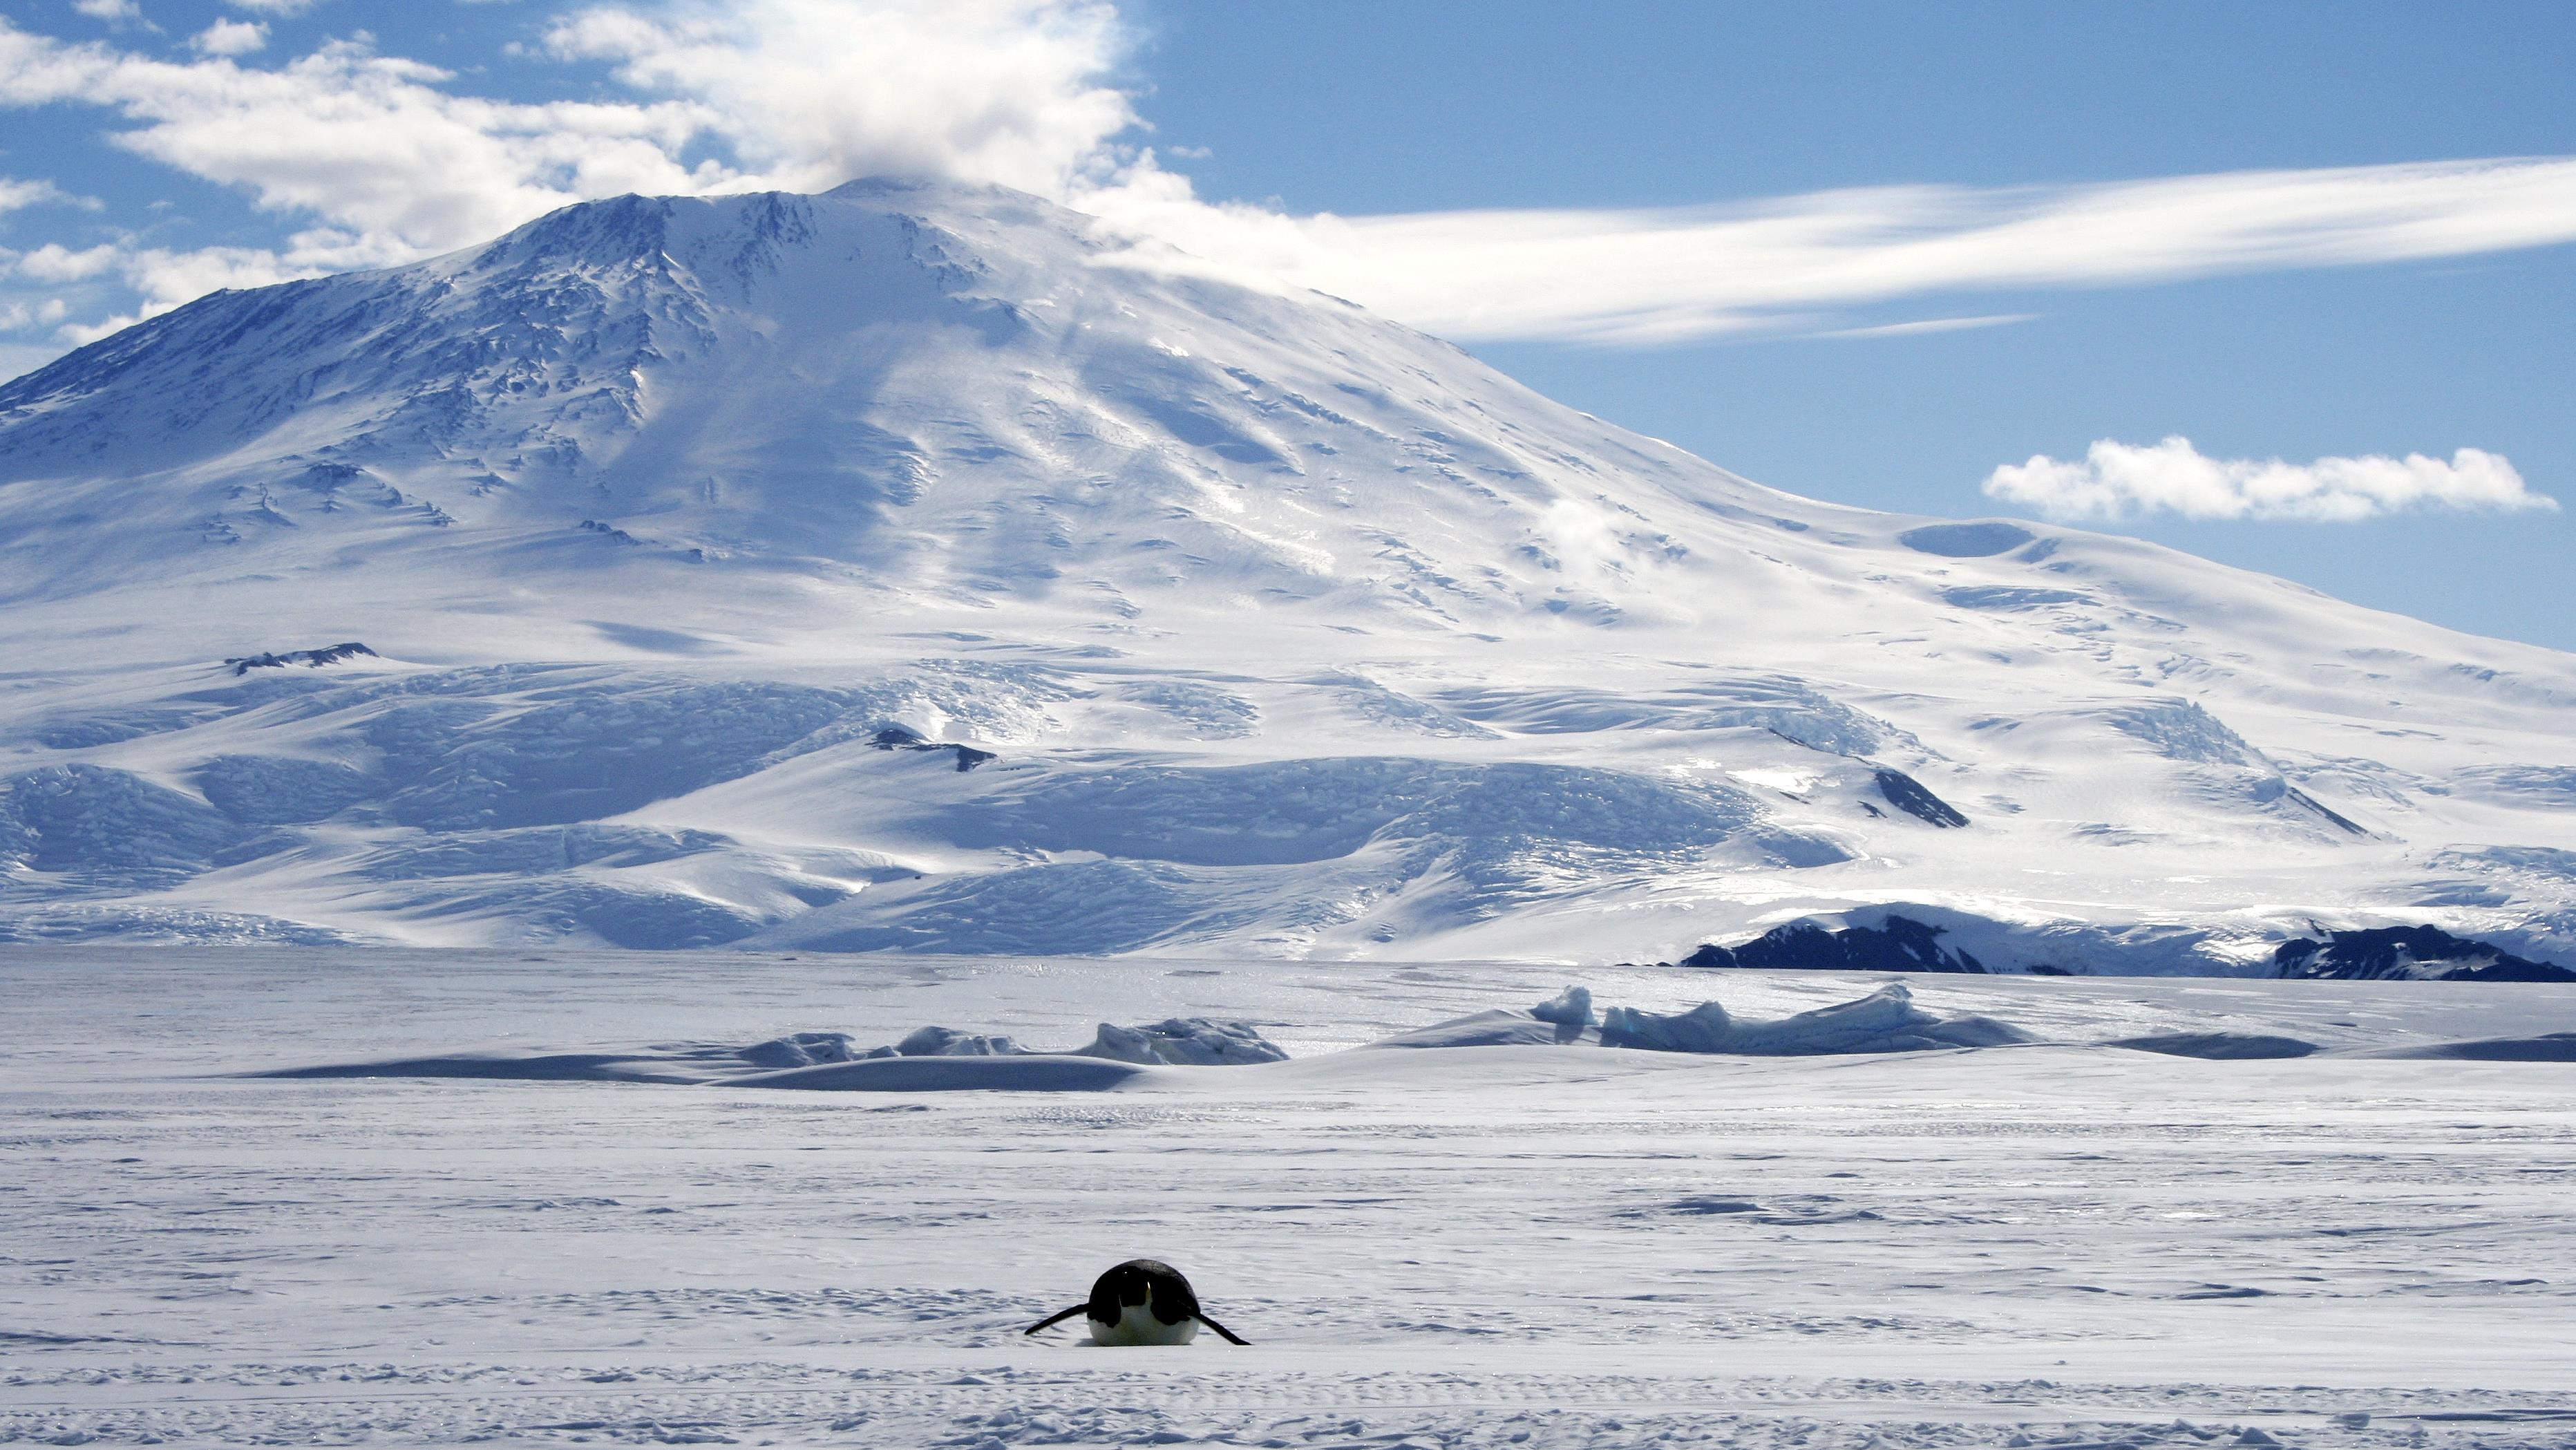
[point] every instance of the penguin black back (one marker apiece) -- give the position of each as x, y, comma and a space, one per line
1142, 1301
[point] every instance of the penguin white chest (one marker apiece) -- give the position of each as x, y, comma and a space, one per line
1137, 1325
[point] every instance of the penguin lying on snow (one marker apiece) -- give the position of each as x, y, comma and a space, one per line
1141, 1301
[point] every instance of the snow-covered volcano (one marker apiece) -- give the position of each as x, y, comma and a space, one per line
685, 537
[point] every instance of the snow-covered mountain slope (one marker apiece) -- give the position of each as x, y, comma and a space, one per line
685, 536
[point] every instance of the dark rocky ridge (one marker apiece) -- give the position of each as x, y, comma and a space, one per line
1901, 945
1908, 795
329, 654
1904, 944
899, 737
2400, 952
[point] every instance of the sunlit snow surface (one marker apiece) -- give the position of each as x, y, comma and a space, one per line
1288, 632
1540, 1245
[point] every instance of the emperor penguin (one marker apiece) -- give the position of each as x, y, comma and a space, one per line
1142, 1301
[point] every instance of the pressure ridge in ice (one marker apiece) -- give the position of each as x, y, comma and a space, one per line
938, 1059
829, 1060
895, 570
1884, 1021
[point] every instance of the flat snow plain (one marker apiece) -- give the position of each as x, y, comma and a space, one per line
2059, 1244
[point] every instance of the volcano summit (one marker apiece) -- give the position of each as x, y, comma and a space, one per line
904, 569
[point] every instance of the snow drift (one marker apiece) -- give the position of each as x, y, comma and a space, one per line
1886, 1021
928, 1059
1883, 1021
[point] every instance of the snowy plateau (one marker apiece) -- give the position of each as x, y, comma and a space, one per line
755, 789
1268, 628
277, 1196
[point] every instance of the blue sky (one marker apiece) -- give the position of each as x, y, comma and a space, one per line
1727, 226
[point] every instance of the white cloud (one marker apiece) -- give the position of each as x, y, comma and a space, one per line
22, 316
369, 143
1650, 276
114, 11
231, 37
16, 194
385, 159
395, 164
1932, 324
2120, 480
273, 7
54, 263
810, 93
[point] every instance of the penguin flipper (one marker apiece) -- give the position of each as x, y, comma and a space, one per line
1224, 1333
1062, 1315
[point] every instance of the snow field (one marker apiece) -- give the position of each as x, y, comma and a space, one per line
1477, 1246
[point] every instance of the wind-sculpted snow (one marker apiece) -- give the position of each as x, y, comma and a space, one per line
1884, 1021
2183, 730
1789, 708
536, 850
1199, 852
2009, 596
2546, 1047
2219, 1046
1224, 621
504, 774
1083, 907
1315, 810
111, 728
81, 921
640, 916
582, 756
2212, 763
2547, 784
104, 829
274, 790
931, 1059
1185, 1042
1379, 705
2544, 862
1203, 711
1966, 541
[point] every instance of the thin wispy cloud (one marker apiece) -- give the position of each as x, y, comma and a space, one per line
2121, 480
1928, 325
1674, 275
376, 159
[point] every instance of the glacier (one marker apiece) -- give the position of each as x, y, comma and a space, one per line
892, 570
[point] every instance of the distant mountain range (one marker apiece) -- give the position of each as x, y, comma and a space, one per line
893, 569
